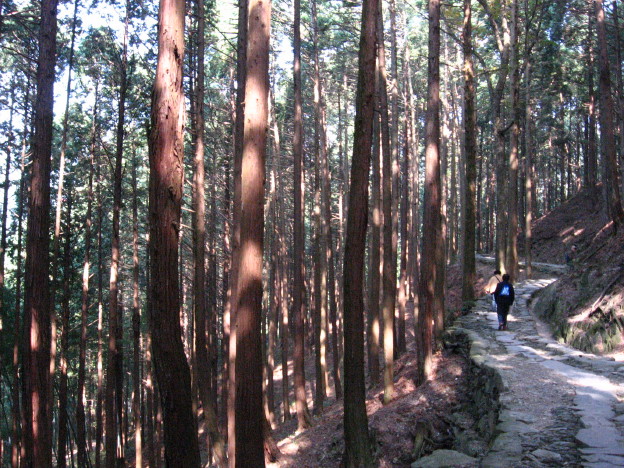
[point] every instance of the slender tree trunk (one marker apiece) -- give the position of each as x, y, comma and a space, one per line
81, 439
18, 425
114, 439
166, 174
327, 285
607, 132
5, 210
63, 432
303, 415
136, 326
512, 192
204, 371
37, 306
470, 155
528, 177
591, 170
620, 89
403, 290
374, 289
100, 300
230, 312
389, 254
249, 413
57, 225
357, 441
431, 226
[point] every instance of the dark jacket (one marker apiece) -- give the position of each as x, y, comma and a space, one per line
504, 299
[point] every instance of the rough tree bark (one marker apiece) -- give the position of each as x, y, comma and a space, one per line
357, 441
303, 415
37, 307
607, 131
249, 411
432, 201
470, 155
204, 371
166, 174
388, 299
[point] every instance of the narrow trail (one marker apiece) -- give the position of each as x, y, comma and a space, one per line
559, 406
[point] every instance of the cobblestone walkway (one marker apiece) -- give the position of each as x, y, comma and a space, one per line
560, 407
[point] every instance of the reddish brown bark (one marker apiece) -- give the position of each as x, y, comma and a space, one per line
81, 439
607, 131
470, 155
432, 201
37, 307
166, 175
303, 415
249, 411
357, 442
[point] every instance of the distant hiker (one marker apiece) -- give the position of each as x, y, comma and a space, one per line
504, 296
490, 287
570, 256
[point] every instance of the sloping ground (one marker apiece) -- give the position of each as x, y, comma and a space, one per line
586, 306
579, 221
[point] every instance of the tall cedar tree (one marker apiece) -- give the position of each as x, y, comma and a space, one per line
607, 116
470, 152
114, 440
199, 252
303, 415
389, 253
230, 312
433, 200
166, 174
81, 437
37, 307
357, 441
249, 411
512, 192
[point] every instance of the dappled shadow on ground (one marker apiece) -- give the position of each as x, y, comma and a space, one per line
393, 427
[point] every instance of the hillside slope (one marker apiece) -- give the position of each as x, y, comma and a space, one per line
586, 305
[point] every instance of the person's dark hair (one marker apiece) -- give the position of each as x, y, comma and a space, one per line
497, 272
505, 277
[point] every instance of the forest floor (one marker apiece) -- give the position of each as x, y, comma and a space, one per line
394, 426
599, 260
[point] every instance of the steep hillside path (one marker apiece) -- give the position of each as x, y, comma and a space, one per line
559, 406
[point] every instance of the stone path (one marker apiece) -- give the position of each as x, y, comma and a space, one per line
559, 406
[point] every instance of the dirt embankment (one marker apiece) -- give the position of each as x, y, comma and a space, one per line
586, 306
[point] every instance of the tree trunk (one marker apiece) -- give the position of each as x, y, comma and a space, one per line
166, 174
136, 326
591, 166
18, 425
374, 289
114, 440
529, 174
61, 454
204, 371
37, 306
607, 131
512, 192
357, 441
230, 311
327, 284
431, 225
389, 253
249, 413
81, 439
470, 155
303, 415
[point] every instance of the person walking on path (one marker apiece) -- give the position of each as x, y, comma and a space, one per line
504, 296
490, 287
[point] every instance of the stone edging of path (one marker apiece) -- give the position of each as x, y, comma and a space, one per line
585, 430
